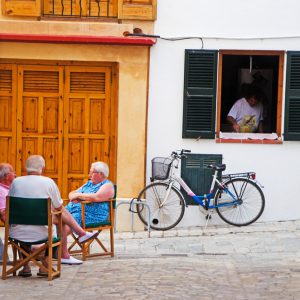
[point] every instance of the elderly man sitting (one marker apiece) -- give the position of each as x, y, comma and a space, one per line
7, 175
38, 186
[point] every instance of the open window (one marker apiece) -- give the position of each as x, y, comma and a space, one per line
239, 69
214, 80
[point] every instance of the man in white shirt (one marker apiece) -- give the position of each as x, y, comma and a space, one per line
246, 115
34, 185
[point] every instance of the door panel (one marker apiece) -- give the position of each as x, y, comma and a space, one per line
63, 113
86, 122
8, 92
40, 110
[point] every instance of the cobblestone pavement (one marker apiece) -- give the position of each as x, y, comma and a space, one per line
261, 261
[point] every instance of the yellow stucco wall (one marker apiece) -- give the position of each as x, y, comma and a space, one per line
133, 62
132, 98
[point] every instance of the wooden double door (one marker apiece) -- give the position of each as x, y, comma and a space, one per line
66, 113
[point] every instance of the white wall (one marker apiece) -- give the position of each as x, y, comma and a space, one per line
230, 24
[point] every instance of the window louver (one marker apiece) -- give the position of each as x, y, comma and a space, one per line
199, 94
294, 113
41, 81
87, 82
6, 81
292, 97
199, 111
295, 73
201, 71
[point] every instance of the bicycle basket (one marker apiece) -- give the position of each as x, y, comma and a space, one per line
161, 167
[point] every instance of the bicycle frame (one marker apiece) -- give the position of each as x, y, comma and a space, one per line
205, 199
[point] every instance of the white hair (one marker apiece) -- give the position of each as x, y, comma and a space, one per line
4, 170
101, 167
35, 163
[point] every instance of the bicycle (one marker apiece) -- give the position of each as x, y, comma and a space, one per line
238, 200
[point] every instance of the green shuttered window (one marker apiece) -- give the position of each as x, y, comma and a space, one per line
292, 98
195, 173
199, 104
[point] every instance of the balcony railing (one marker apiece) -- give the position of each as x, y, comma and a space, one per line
81, 8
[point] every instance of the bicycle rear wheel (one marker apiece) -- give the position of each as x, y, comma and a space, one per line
166, 209
251, 202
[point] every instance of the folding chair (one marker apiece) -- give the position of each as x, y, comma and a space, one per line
31, 211
85, 249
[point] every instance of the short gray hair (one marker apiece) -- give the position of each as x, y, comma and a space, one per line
101, 167
35, 163
5, 169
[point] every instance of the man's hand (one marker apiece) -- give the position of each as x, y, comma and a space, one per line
236, 127
234, 124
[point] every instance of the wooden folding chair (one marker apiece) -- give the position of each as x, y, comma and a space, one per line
85, 249
31, 211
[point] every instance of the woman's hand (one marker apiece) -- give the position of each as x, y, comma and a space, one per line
75, 198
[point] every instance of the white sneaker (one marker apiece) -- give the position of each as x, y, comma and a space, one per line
71, 261
87, 237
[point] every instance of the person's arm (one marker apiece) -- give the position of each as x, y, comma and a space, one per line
105, 192
73, 196
234, 124
2, 204
2, 215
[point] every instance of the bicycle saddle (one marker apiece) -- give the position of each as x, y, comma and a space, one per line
219, 167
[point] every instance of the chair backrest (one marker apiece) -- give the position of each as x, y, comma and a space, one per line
115, 196
28, 211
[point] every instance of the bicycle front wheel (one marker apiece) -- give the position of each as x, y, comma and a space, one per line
166, 206
250, 206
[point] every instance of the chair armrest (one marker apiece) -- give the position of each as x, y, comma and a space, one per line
111, 201
56, 212
85, 202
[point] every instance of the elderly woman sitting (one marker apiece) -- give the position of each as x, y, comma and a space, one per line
98, 189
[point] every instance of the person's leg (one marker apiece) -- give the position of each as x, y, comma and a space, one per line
68, 219
26, 270
70, 224
66, 230
73, 223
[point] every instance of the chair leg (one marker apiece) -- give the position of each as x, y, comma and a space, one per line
112, 243
5, 257
15, 257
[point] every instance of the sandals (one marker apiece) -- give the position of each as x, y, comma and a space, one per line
42, 273
25, 273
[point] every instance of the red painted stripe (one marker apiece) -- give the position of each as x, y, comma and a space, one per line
77, 39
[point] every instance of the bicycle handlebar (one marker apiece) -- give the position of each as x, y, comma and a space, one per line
180, 153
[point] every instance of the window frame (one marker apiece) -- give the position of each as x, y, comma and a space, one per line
280, 55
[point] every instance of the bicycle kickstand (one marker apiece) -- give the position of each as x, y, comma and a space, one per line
208, 217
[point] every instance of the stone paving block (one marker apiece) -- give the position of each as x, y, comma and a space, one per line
235, 264
169, 233
156, 234
124, 235
195, 231
141, 234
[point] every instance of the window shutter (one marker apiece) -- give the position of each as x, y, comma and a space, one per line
195, 173
137, 9
28, 8
199, 100
292, 98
